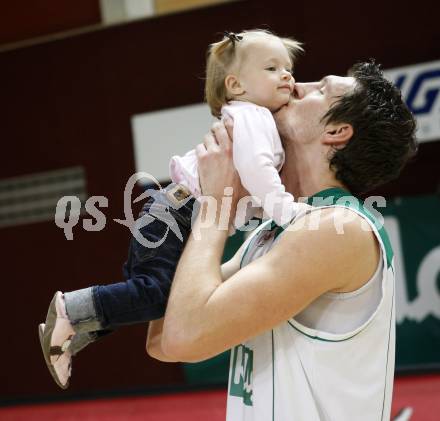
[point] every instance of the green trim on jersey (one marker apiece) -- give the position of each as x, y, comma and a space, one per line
388, 353
319, 338
336, 196
331, 197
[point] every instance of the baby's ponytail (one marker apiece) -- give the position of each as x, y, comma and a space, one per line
220, 57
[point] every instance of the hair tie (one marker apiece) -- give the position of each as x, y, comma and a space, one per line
233, 37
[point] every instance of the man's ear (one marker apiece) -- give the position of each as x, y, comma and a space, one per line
337, 134
233, 85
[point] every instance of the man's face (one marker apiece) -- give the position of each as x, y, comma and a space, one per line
300, 120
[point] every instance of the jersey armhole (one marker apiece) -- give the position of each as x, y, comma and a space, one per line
333, 337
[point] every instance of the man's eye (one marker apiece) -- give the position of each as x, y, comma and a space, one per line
271, 69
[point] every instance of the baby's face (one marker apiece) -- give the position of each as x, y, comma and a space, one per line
265, 74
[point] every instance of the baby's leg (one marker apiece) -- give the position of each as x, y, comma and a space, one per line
153, 257
81, 340
59, 358
85, 314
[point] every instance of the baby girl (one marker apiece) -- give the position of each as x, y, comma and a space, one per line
249, 76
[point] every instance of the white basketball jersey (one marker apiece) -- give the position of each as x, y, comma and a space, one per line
294, 373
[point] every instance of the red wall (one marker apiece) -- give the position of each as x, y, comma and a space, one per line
20, 21
69, 102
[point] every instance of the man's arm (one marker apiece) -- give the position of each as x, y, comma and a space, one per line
205, 317
154, 337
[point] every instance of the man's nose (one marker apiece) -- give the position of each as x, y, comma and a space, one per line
300, 90
303, 89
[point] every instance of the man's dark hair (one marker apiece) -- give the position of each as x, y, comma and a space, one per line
384, 131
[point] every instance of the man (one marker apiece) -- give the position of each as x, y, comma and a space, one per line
308, 313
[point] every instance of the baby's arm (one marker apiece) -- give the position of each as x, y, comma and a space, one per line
254, 140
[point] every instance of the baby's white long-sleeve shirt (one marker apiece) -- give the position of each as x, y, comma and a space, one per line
258, 156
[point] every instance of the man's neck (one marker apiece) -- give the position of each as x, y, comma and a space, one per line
305, 174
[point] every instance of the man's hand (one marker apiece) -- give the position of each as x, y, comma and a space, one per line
216, 167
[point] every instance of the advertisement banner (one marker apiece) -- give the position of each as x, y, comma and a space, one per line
413, 224
420, 86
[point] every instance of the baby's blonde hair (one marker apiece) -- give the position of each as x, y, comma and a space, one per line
222, 55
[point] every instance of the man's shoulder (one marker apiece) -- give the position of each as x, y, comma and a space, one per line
330, 221
336, 242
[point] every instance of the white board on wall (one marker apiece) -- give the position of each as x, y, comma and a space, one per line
159, 135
